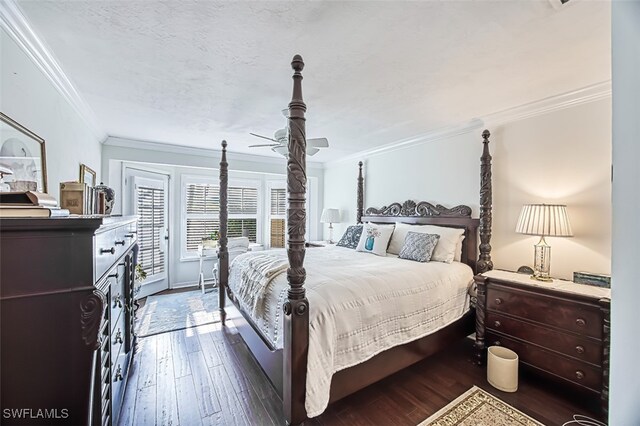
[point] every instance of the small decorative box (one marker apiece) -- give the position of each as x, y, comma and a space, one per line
590, 278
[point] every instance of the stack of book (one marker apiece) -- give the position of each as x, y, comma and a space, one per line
29, 204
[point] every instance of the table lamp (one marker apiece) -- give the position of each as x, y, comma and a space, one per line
544, 220
330, 216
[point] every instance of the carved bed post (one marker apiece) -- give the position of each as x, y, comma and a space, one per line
360, 209
481, 300
296, 307
484, 261
223, 252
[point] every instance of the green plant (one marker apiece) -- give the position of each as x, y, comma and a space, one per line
141, 274
215, 236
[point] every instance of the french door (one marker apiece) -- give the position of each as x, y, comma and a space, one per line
149, 200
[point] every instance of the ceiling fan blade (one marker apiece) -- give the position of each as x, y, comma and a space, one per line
263, 137
265, 144
311, 150
281, 149
318, 143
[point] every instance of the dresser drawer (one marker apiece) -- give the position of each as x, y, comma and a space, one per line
573, 316
584, 349
110, 245
571, 370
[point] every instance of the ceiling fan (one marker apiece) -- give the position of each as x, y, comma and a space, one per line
281, 139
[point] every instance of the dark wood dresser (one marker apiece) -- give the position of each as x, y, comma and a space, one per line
66, 310
559, 329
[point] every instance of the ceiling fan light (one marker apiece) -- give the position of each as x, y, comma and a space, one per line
280, 134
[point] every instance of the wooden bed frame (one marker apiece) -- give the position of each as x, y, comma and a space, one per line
287, 368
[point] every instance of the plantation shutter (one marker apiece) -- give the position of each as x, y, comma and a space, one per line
151, 224
277, 224
203, 208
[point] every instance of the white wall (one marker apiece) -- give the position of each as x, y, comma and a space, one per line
28, 97
624, 408
560, 157
185, 161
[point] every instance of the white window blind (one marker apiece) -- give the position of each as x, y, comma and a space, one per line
150, 207
277, 228
203, 207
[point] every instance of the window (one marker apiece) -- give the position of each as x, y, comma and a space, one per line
243, 212
203, 206
201, 209
277, 212
150, 211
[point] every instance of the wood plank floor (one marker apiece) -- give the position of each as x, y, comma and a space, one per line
206, 375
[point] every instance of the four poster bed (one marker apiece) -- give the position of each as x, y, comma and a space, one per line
294, 351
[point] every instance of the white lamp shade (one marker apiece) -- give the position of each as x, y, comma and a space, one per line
544, 220
330, 216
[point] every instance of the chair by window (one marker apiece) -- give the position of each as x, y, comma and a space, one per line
236, 247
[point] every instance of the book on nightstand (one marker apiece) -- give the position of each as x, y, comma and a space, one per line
28, 198
32, 211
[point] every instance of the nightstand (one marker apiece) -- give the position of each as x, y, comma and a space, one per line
559, 329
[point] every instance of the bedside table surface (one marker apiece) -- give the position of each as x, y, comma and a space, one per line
556, 284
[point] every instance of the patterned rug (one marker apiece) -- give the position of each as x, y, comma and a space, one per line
476, 407
177, 311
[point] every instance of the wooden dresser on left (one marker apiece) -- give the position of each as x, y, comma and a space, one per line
66, 318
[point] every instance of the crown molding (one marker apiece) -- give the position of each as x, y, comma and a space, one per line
591, 93
123, 142
15, 23
547, 105
433, 135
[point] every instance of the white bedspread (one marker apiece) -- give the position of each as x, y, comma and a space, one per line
359, 305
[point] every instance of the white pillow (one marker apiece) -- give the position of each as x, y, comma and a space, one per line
400, 233
449, 245
375, 238
458, 255
445, 251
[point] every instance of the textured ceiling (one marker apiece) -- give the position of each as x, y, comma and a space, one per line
193, 73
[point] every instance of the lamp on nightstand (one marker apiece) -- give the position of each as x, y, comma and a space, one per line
330, 216
543, 220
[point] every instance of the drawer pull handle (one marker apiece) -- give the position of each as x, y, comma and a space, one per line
497, 343
116, 276
580, 349
497, 324
118, 338
111, 250
120, 243
579, 375
118, 375
117, 303
580, 322
129, 235
498, 301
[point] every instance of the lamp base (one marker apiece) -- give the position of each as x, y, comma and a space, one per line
542, 261
540, 278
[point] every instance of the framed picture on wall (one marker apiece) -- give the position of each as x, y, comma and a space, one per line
23, 165
87, 175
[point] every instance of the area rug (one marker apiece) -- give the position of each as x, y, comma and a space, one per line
476, 407
177, 311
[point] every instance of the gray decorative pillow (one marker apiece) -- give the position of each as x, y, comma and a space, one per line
418, 246
351, 237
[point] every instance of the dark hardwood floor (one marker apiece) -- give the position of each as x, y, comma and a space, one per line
206, 375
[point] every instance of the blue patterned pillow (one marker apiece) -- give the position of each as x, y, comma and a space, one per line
351, 237
418, 246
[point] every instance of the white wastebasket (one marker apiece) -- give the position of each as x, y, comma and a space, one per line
502, 368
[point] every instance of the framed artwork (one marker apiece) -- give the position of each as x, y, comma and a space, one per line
23, 165
87, 175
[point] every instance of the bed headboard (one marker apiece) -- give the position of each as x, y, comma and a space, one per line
478, 256
424, 213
